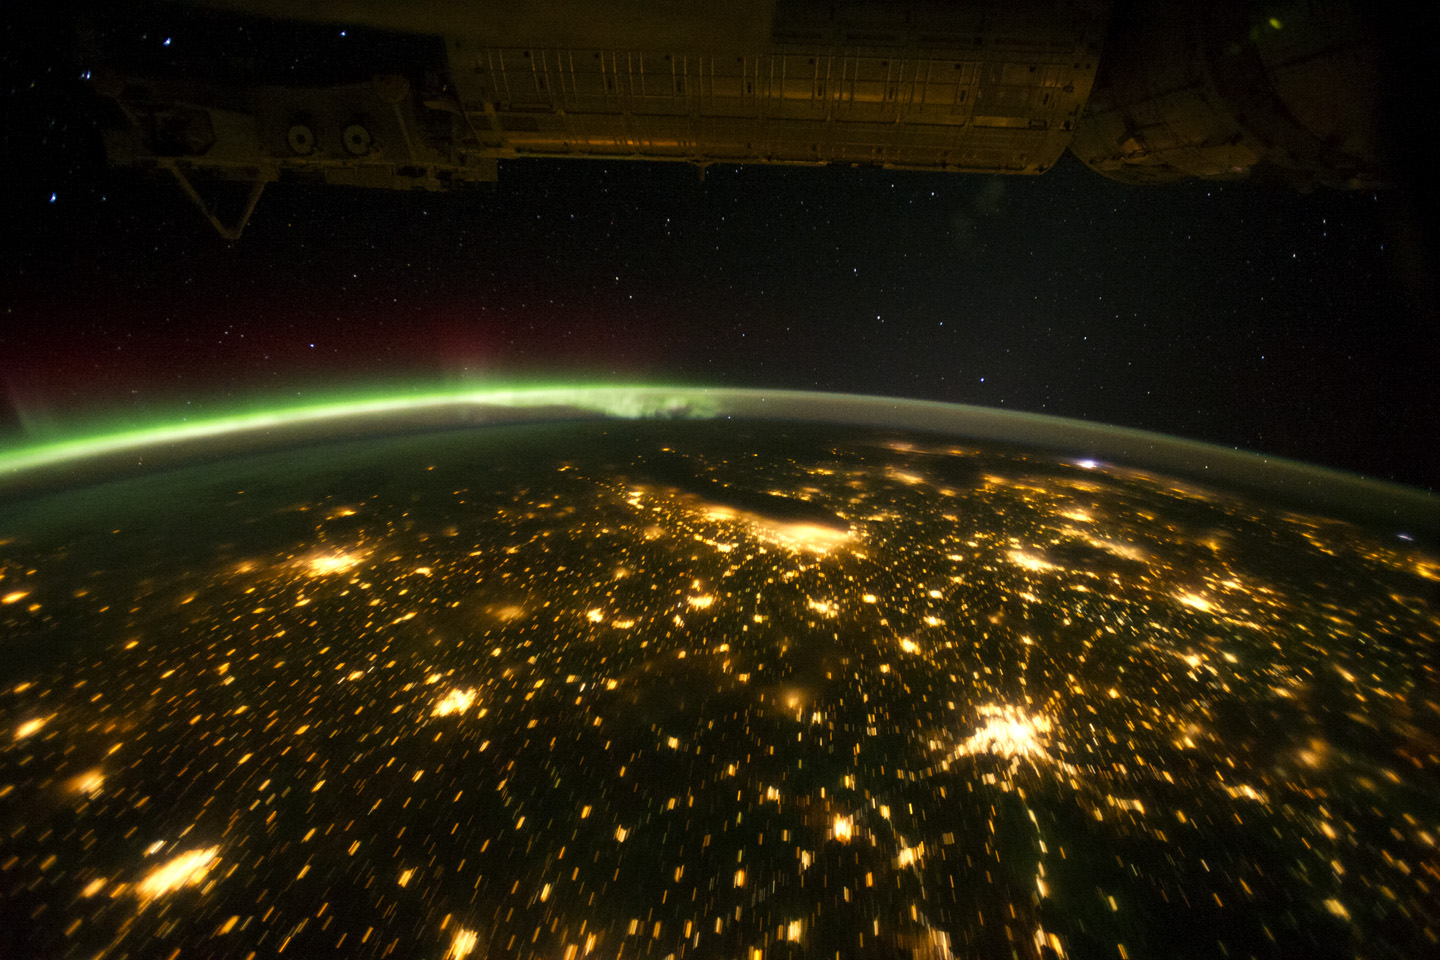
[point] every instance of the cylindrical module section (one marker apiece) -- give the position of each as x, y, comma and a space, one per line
992, 86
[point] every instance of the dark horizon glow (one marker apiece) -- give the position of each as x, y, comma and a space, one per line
614, 561
1309, 484
606, 683
1242, 314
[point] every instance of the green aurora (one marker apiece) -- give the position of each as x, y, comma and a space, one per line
1293, 482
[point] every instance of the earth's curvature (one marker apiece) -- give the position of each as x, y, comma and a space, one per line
730, 681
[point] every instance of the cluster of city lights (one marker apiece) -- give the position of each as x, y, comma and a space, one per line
970, 704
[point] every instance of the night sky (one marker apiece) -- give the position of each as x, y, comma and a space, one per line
1243, 314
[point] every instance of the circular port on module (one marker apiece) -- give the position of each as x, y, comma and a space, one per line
301, 140
357, 140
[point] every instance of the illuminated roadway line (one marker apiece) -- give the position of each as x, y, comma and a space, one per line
1316, 485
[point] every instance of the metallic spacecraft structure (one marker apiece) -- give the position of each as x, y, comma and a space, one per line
1143, 92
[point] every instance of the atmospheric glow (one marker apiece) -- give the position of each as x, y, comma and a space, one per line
620, 402
641, 402
654, 698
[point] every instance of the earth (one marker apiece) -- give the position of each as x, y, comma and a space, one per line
729, 687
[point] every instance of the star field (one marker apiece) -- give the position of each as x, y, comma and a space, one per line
1243, 314
423, 682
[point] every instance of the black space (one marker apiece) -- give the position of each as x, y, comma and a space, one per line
1248, 315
